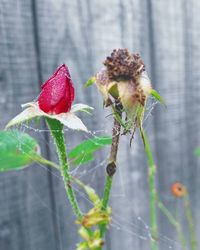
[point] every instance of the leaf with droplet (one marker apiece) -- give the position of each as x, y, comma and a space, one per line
17, 150
84, 152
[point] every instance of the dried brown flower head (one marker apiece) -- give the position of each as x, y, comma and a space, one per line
122, 65
124, 79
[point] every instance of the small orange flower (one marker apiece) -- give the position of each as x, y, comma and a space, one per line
178, 189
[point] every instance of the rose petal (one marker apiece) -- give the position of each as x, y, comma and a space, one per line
81, 107
61, 69
57, 93
71, 121
68, 119
145, 83
29, 113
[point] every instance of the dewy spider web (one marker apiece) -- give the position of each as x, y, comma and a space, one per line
139, 228
115, 222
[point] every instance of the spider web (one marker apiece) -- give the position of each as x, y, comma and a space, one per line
135, 227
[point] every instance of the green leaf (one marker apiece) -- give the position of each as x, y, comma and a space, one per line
197, 151
157, 96
83, 158
84, 152
92, 195
17, 150
90, 82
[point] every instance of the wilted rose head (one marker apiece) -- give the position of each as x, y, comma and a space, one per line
122, 65
123, 79
57, 93
178, 189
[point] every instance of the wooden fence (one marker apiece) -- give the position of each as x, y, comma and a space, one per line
35, 38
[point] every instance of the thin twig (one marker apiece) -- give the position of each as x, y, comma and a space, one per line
111, 167
174, 222
188, 214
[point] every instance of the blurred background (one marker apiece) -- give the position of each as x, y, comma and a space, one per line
38, 36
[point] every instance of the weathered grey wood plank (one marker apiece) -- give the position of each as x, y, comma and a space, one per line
84, 36
25, 198
81, 34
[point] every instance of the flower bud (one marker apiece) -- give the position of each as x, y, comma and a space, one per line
57, 93
55, 102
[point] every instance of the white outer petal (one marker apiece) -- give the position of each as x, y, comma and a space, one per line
68, 119
80, 107
29, 113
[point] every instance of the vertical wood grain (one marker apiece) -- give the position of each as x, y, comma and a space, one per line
38, 36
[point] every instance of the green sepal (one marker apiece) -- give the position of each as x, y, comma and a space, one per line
113, 91
157, 96
90, 82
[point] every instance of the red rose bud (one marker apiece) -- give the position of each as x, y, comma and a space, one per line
57, 93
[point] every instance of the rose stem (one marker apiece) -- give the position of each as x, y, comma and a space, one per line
174, 222
41, 160
152, 189
188, 213
57, 133
111, 167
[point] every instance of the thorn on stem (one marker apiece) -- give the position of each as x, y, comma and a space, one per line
69, 184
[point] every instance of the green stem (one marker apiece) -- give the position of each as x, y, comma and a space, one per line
46, 162
57, 133
107, 190
111, 167
174, 222
152, 189
188, 213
